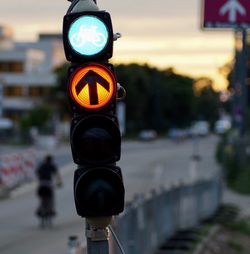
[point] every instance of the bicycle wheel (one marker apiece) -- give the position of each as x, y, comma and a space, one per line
77, 40
99, 40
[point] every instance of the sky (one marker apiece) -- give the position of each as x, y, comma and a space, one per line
163, 33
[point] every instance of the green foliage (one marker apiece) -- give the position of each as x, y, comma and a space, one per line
61, 77
241, 182
60, 91
178, 99
208, 104
242, 226
227, 157
138, 84
202, 233
219, 151
156, 99
38, 117
236, 165
236, 246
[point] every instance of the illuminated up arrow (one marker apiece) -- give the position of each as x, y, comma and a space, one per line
92, 79
232, 7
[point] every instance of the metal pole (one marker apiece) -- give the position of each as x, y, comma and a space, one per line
236, 83
243, 81
97, 240
1, 99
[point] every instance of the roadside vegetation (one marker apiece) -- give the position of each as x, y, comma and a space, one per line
233, 155
225, 233
233, 150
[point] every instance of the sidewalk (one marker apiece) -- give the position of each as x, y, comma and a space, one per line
239, 200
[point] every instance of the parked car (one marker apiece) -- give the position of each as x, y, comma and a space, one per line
6, 128
176, 133
147, 135
5, 124
200, 128
222, 126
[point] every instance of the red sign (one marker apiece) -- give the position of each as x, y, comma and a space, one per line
226, 13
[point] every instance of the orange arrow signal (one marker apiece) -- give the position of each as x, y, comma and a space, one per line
92, 86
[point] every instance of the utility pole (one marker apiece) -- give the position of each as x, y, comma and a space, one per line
240, 88
1, 99
243, 58
243, 81
235, 80
239, 81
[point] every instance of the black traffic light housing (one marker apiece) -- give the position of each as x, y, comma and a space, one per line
95, 135
95, 140
103, 193
74, 56
77, 109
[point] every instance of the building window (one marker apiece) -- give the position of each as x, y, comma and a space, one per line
13, 91
38, 91
35, 91
11, 67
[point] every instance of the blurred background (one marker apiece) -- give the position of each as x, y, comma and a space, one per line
182, 120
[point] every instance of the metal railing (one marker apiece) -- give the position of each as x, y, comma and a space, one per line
148, 221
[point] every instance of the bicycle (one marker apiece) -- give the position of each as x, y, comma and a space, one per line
86, 35
45, 211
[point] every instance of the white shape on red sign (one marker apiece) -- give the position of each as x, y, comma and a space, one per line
232, 7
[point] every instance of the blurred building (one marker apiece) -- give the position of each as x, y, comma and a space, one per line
52, 47
26, 70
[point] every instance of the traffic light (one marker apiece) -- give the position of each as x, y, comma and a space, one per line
95, 135
88, 36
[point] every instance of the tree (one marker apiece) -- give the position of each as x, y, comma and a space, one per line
136, 79
207, 101
177, 99
60, 91
40, 118
156, 99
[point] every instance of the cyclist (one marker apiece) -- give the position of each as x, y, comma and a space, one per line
48, 175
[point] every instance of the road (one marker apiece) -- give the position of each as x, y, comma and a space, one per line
145, 166
148, 166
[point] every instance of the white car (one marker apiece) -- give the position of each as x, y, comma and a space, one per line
221, 126
147, 135
200, 128
5, 124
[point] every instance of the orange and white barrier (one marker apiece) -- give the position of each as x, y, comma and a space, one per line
29, 164
17, 168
